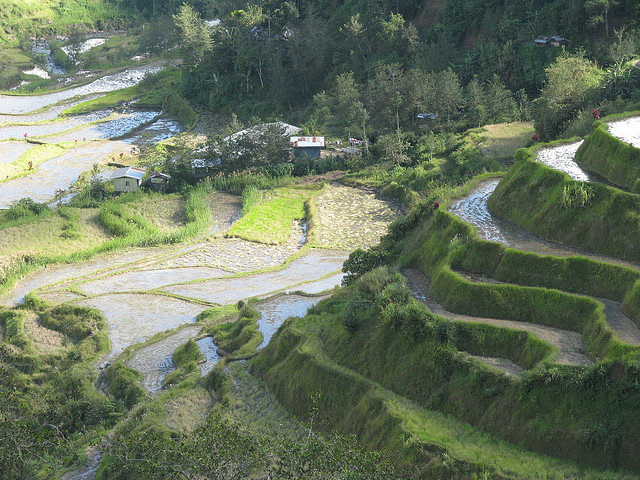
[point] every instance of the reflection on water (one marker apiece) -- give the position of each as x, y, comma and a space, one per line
562, 158
23, 103
154, 361
83, 47
474, 209
134, 318
41, 48
315, 264
161, 129
276, 310
627, 130
209, 350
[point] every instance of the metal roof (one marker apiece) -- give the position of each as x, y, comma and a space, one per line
128, 172
302, 142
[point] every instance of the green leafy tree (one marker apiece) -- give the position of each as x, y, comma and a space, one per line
572, 84
387, 99
349, 109
449, 94
393, 147
194, 34
260, 145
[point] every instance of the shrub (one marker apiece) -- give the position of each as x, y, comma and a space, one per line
362, 261
124, 385
186, 353
75, 322
25, 207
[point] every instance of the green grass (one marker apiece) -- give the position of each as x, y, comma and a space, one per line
502, 140
48, 17
613, 159
39, 241
111, 99
38, 154
270, 222
531, 196
383, 379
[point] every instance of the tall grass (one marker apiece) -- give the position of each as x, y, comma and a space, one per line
251, 196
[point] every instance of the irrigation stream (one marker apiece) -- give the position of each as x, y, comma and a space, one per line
473, 209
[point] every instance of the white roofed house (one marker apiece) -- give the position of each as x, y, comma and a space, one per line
127, 179
309, 147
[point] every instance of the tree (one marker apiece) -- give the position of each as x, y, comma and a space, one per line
158, 35
475, 102
598, 13
393, 147
398, 38
387, 99
625, 47
349, 108
448, 93
572, 84
260, 145
194, 34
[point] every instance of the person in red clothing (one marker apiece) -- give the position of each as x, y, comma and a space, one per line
596, 113
436, 205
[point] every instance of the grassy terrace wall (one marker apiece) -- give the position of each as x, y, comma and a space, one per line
369, 378
588, 415
448, 242
570, 274
611, 158
535, 196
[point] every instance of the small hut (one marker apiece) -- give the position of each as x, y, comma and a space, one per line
309, 147
158, 181
127, 179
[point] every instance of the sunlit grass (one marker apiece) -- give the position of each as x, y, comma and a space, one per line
36, 155
270, 222
503, 139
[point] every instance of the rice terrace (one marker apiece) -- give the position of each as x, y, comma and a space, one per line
319, 240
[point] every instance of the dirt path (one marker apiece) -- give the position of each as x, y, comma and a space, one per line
626, 329
571, 348
502, 364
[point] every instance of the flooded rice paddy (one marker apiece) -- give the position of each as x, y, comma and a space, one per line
154, 361
473, 208
134, 318
563, 158
14, 104
627, 130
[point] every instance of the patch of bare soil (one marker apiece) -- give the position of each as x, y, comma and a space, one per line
44, 340
504, 365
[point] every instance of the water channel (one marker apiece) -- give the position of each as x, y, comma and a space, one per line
473, 208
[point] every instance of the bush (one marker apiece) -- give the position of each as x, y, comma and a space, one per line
25, 207
124, 385
362, 261
186, 353
75, 322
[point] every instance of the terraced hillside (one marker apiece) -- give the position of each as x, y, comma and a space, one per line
491, 326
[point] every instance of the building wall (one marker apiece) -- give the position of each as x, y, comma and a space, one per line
125, 184
309, 152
